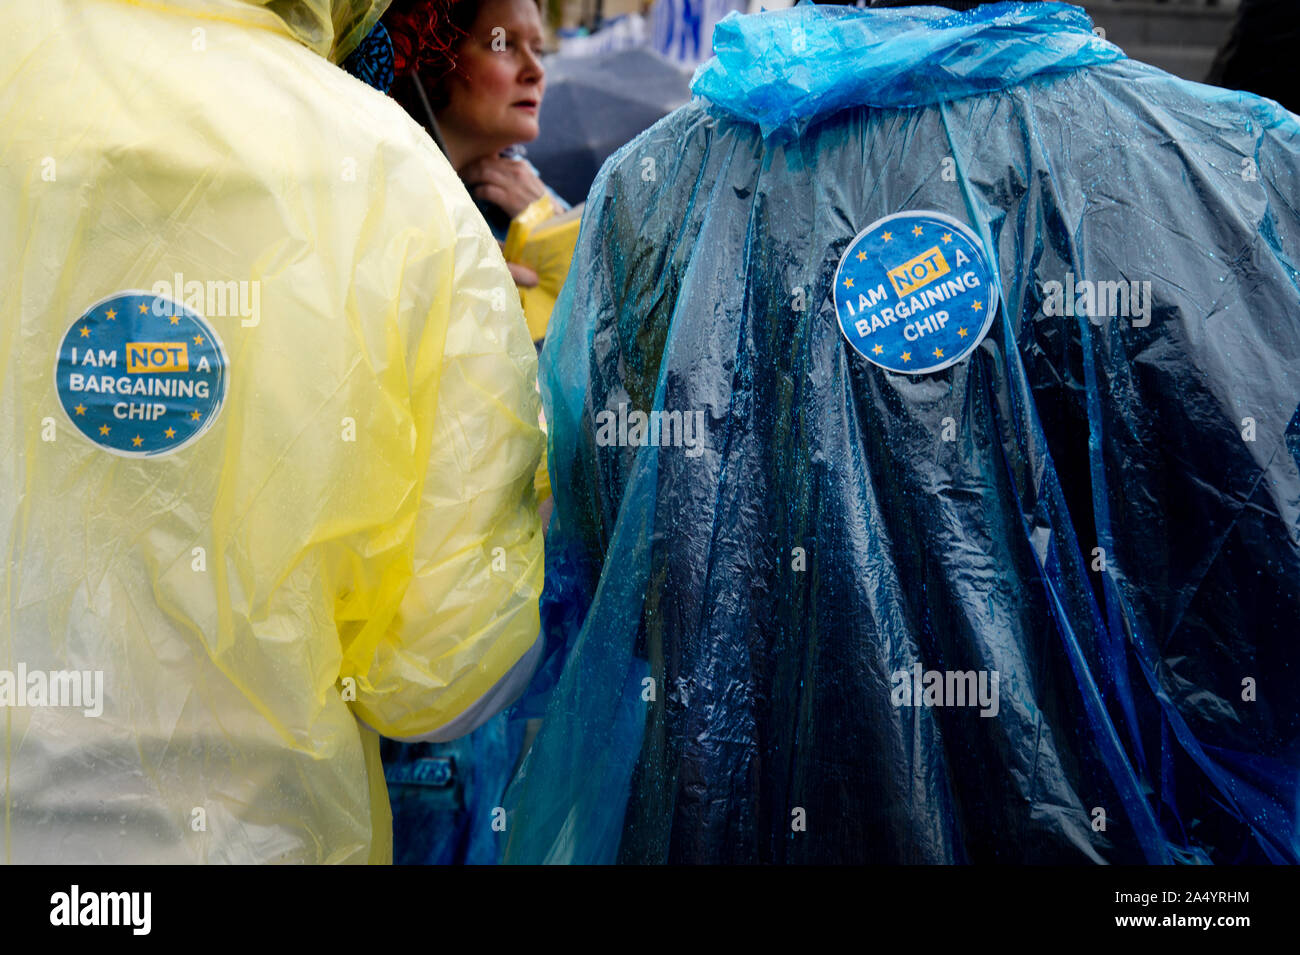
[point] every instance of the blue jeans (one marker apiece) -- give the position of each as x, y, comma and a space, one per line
443, 794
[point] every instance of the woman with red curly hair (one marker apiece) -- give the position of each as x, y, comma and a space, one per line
470, 72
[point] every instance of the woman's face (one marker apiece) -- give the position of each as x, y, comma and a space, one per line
495, 93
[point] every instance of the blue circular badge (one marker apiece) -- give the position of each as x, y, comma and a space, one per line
914, 292
140, 374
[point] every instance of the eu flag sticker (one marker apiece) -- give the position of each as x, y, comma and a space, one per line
140, 374
914, 292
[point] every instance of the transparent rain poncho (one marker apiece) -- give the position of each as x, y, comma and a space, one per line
306, 500
1103, 509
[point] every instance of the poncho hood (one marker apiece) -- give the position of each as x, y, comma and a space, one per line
784, 69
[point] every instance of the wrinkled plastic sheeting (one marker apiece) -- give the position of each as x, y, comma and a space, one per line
915, 57
246, 599
1113, 528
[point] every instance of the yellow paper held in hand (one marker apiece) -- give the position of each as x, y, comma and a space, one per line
543, 240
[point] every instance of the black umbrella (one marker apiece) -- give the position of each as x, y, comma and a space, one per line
593, 105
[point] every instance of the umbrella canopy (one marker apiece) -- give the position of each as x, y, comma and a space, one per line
593, 105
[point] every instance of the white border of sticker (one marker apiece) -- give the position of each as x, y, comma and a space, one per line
216, 412
974, 240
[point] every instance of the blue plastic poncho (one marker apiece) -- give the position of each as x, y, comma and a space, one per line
1104, 510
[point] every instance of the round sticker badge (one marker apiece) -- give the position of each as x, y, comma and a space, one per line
140, 374
914, 292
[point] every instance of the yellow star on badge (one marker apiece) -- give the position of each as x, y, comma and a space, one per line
110, 314
977, 305
907, 356
947, 237
916, 231
143, 308
85, 332
170, 432
103, 429
176, 319
888, 236
198, 339
80, 409
961, 332
938, 353
137, 441
194, 415
848, 283
862, 256
878, 349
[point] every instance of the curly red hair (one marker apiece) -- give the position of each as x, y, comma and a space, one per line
427, 33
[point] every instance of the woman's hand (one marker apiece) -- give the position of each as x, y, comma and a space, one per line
509, 183
522, 274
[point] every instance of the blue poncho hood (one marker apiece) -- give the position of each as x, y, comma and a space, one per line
764, 70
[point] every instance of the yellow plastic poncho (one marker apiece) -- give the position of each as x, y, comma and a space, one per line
287, 482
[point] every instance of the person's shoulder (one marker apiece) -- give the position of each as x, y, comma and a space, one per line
367, 137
